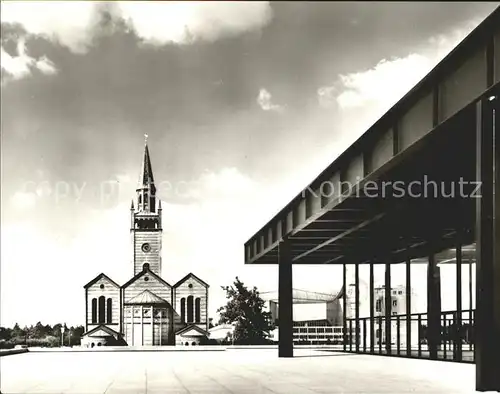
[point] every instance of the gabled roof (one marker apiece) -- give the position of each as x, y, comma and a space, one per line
190, 327
143, 272
98, 277
103, 328
191, 275
146, 297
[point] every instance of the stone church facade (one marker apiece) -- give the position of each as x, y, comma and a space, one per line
146, 310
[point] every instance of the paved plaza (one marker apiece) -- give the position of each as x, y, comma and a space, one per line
232, 371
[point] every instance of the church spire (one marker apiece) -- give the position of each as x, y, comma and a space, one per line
147, 171
146, 189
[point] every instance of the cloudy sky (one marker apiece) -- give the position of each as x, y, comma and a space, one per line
244, 103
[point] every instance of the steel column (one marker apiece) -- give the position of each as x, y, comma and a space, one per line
388, 307
285, 299
487, 316
344, 307
356, 305
372, 306
408, 307
458, 320
433, 307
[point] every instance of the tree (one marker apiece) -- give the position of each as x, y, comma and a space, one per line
17, 331
41, 331
245, 309
75, 334
56, 330
5, 333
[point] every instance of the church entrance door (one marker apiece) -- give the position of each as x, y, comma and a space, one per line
137, 340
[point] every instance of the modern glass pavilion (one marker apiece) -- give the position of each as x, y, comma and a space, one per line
405, 193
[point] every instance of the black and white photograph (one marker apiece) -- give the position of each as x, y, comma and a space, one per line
249, 197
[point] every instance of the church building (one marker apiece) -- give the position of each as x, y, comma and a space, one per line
146, 310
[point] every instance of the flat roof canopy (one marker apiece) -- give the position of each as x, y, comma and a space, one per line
407, 185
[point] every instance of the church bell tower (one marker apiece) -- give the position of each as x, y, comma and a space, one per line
146, 230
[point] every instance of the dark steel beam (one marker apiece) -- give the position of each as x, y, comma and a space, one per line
395, 139
332, 240
490, 61
435, 105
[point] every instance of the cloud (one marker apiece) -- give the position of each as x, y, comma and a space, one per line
389, 80
264, 99
155, 22
386, 83
46, 66
21, 65
74, 30
184, 22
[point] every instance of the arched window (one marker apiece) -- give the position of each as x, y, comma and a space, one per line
94, 310
183, 310
190, 309
197, 310
109, 310
102, 307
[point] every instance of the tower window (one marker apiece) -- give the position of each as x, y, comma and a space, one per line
101, 286
146, 278
190, 285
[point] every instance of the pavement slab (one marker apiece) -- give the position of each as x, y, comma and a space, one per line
238, 371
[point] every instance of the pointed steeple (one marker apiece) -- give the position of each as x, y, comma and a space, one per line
146, 189
147, 170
